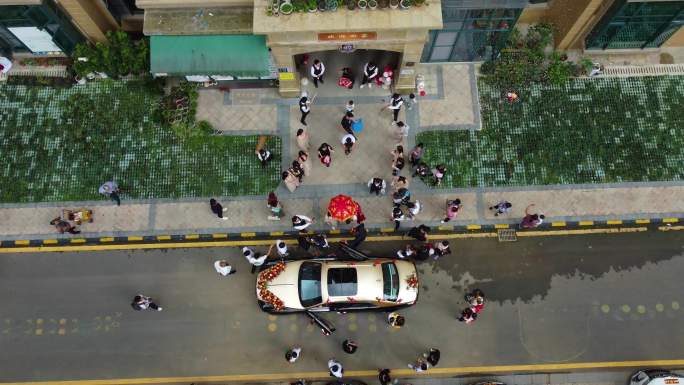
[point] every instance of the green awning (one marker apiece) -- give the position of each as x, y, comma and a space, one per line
234, 55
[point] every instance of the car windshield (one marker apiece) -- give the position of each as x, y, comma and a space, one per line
310, 284
342, 282
390, 282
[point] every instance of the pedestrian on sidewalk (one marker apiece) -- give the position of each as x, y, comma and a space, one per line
317, 71
401, 132
305, 162
304, 107
253, 258
281, 248
416, 154
325, 154
442, 249
419, 232
64, 226
264, 156
370, 72
503, 207
396, 320
377, 186
348, 142
274, 206
401, 197
468, 316
217, 209
349, 107
422, 170
432, 356
347, 122
303, 141
419, 366
297, 170
452, 209
397, 216
301, 222
412, 101
111, 189
293, 354
397, 153
349, 346
395, 103
476, 300
384, 377
413, 208
438, 174
408, 252
291, 181
531, 221
399, 182
141, 302
222, 267
335, 368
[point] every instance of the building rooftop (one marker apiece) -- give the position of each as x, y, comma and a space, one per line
198, 21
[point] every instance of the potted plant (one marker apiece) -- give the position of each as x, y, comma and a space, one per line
286, 7
394, 4
332, 5
275, 7
405, 4
418, 3
321, 5
362, 4
373, 4
383, 3
351, 4
299, 5
312, 5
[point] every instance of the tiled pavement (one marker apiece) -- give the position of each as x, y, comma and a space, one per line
450, 104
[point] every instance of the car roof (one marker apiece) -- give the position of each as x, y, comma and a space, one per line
368, 279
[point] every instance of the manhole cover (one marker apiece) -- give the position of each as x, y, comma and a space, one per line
507, 235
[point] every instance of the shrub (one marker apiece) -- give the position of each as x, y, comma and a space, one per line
118, 56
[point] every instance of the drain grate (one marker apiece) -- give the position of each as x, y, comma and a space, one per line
507, 235
648, 70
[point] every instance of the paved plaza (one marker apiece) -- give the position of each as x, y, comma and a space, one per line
451, 103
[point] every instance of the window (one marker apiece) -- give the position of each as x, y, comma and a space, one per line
310, 284
342, 282
637, 25
390, 282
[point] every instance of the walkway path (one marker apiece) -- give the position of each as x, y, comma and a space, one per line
451, 104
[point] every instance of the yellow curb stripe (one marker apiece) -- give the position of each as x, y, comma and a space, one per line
336, 231
670, 220
192, 236
501, 226
580, 232
107, 239
277, 233
443, 372
78, 240
50, 241
557, 224
219, 235
22, 242
670, 228
586, 223
163, 237
387, 230
643, 221
614, 222
473, 227
446, 228
248, 235
135, 238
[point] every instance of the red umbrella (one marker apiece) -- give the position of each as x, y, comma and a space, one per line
342, 207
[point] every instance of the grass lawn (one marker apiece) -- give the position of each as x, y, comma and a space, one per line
588, 131
60, 144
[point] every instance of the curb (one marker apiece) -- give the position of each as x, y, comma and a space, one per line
250, 238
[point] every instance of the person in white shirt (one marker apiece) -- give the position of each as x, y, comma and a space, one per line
350, 106
317, 71
335, 368
5, 65
253, 258
348, 141
401, 132
304, 107
281, 248
293, 354
420, 366
414, 208
409, 251
301, 222
370, 72
395, 105
222, 267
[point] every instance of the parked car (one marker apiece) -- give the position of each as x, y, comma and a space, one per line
655, 377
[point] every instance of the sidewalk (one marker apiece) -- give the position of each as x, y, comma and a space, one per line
451, 104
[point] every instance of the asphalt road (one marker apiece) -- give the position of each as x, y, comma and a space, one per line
550, 300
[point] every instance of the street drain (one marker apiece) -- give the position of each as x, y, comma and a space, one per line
507, 235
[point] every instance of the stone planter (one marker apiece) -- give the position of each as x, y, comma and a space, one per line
405, 4
351, 4
362, 4
394, 4
383, 3
372, 4
286, 7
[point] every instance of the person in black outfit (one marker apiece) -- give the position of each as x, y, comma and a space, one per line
360, 234
384, 377
395, 105
349, 346
317, 71
217, 209
432, 356
305, 108
347, 121
420, 233
370, 72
